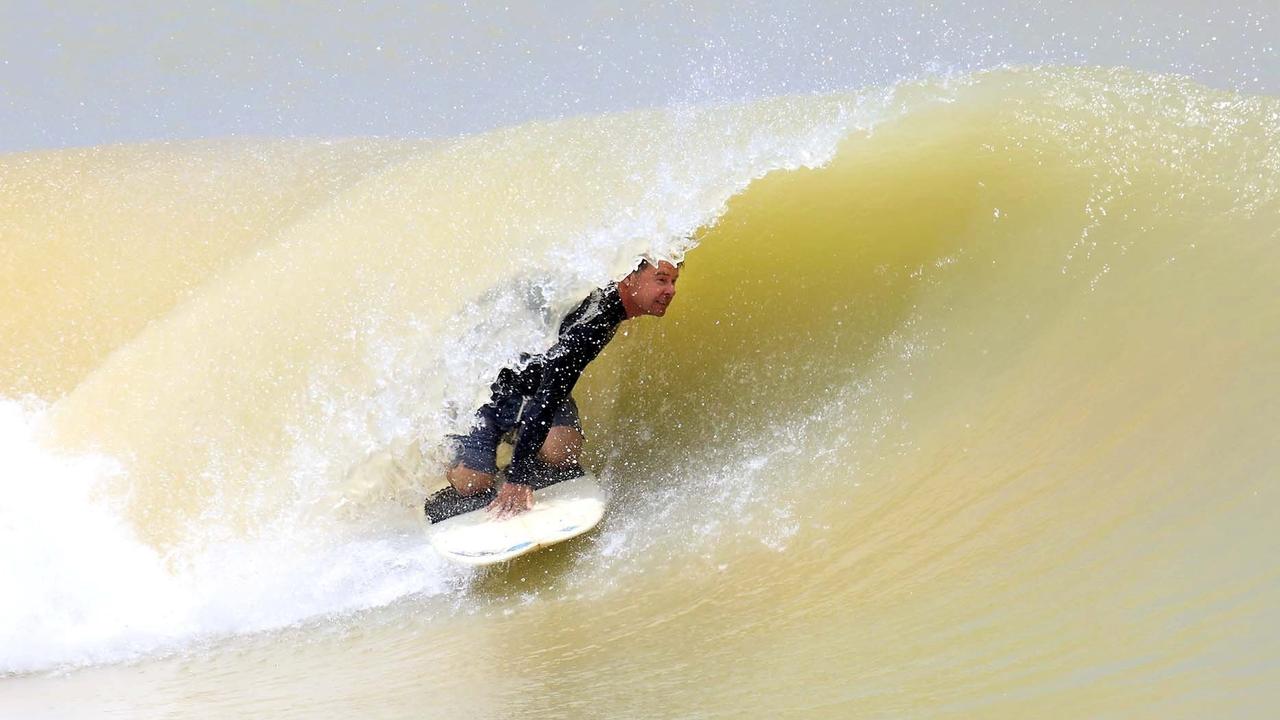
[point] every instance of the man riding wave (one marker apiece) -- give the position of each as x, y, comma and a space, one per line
535, 402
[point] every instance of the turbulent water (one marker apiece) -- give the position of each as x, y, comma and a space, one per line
967, 406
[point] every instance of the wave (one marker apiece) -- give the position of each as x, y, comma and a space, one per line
1016, 326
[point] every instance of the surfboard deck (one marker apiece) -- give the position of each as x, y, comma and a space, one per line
560, 512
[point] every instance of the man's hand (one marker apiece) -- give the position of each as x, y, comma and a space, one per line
513, 499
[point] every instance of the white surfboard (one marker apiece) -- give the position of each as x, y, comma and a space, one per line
562, 511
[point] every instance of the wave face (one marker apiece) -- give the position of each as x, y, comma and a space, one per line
969, 392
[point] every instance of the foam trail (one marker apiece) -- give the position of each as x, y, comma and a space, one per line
84, 589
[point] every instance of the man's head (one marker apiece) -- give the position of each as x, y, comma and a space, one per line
649, 289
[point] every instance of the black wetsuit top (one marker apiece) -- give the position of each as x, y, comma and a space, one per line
546, 380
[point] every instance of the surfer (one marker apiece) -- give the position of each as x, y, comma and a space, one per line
535, 402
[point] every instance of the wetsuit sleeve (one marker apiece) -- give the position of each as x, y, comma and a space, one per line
562, 366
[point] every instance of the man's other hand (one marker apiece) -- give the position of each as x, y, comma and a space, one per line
512, 499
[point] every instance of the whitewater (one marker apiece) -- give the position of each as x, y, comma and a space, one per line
971, 378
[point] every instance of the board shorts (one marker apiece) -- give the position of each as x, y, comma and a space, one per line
478, 449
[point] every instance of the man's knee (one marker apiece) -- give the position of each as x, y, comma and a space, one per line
561, 448
468, 481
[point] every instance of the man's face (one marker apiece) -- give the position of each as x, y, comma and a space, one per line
653, 288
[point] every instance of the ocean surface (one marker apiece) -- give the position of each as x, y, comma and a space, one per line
967, 407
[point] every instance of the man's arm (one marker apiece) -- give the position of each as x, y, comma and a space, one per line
561, 369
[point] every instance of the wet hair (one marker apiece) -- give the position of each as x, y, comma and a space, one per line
644, 263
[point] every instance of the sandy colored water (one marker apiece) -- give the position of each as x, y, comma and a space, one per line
966, 408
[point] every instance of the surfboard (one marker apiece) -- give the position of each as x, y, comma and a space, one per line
560, 512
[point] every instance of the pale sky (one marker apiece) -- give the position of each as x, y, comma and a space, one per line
84, 73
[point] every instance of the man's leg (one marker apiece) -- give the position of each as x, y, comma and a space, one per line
469, 481
562, 447
475, 460
469, 489
471, 476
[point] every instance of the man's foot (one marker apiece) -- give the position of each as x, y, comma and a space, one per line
449, 502
547, 475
